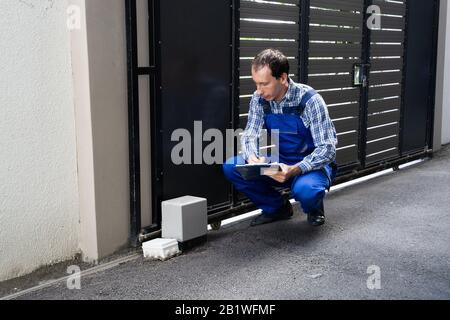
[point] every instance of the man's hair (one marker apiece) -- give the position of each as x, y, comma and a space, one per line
273, 58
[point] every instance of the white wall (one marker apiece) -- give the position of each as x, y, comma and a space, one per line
446, 97
108, 109
99, 60
39, 219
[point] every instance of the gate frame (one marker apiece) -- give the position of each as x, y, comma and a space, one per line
154, 73
138, 233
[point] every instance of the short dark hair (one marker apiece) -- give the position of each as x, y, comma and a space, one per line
273, 58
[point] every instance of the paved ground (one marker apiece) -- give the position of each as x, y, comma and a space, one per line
399, 222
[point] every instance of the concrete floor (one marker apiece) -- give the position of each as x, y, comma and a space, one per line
399, 222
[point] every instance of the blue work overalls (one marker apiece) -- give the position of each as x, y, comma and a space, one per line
295, 143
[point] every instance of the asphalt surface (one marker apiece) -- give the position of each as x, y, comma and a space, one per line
397, 224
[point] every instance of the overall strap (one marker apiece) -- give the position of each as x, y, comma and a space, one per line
306, 97
300, 108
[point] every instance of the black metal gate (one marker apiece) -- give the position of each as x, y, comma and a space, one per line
378, 82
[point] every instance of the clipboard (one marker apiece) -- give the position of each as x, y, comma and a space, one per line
254, 171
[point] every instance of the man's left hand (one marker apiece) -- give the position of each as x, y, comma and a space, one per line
286, 173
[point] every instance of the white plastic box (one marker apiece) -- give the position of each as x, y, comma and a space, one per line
184, 218
160, 249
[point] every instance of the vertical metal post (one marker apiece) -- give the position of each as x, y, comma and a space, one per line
133, 122
433, 74
155, 112
405, 56
364, 97
235, 78
304, 42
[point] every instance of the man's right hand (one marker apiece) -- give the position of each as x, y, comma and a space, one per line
254, 160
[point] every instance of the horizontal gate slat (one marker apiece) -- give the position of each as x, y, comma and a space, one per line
246, 67
334, 34
243, 122
347, 139
384, 92
253, 29
386, 64
247, 86
392, 22
244, 108
338, 18
258, 10
383, 118
284, 1
341, 96
380, 50
330, 82
252, 48
248, 90
342, 111
331, 65
349, 5
377, 133
391, 7
347, 156
244, 104
385, 78
383, 156
346, 125
387, 36
378, 146
384, 105
334, 50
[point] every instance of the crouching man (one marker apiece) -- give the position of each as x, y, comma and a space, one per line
307, 143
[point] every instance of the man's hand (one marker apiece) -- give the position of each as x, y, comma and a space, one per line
254, 160
286, 173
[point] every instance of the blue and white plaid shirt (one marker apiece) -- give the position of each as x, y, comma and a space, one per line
315, 117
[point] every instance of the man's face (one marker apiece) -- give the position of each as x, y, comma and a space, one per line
268, 86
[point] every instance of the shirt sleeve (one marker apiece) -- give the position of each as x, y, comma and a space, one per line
323, 133
249, 139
